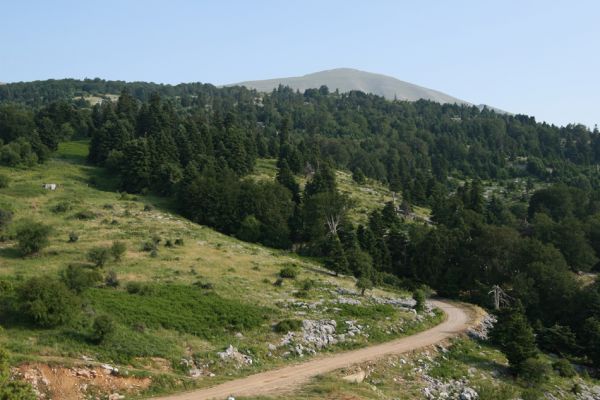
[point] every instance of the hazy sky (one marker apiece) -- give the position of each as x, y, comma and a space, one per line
536, 57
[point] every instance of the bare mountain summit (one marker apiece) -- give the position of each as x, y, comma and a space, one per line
347, 79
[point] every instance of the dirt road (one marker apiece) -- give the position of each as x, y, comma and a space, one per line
293, 376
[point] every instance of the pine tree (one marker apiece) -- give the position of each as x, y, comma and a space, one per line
337, 260
285, 177
513, 334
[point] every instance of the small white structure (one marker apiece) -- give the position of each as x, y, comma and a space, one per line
49, 186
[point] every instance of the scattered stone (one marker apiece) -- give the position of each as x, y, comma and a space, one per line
110, 369
346, 300
232, 354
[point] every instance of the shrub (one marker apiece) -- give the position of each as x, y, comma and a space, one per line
103, 326
289, 272
117, 250
204, 285
148, 246
73, 237
154, 253
148, 207
564, 368
278, 282
108, 206
11, 389
138, 288
534, 371
61, 207
287, 325
46, 301
32, 237
5, 218
419, 297
363, 284
169, 243
179, 242
99, 256
79, 278
307, 285
85, 215
4, 181
111, 279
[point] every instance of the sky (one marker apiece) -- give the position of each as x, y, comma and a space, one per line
540, 58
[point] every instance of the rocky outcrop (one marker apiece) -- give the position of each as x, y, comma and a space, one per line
482, 329
232, 354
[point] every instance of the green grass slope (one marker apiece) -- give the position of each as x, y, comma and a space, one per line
183, 302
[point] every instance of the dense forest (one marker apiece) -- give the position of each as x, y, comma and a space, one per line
197, 143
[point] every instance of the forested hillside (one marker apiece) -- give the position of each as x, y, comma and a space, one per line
515, 203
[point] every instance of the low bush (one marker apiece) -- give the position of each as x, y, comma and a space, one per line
204, 285
288, 272
32, 237
179, 242
117, 250
564, 368
307, 285
86, 215
99, 256
148, 246
111, 279
127, 197
46, 301
10, 388
6, 217
534, 371
102, 327
287, 325
138, 288
62, 207
79, 277
4, 181
73, 237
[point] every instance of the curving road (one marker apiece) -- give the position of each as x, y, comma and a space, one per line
293, 376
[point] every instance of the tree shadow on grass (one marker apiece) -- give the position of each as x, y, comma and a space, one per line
10, 252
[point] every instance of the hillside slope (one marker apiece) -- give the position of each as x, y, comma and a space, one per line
180, 302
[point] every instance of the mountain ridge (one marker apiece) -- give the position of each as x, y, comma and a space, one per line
348, 79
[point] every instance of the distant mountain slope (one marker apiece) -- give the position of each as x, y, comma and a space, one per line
347, 79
